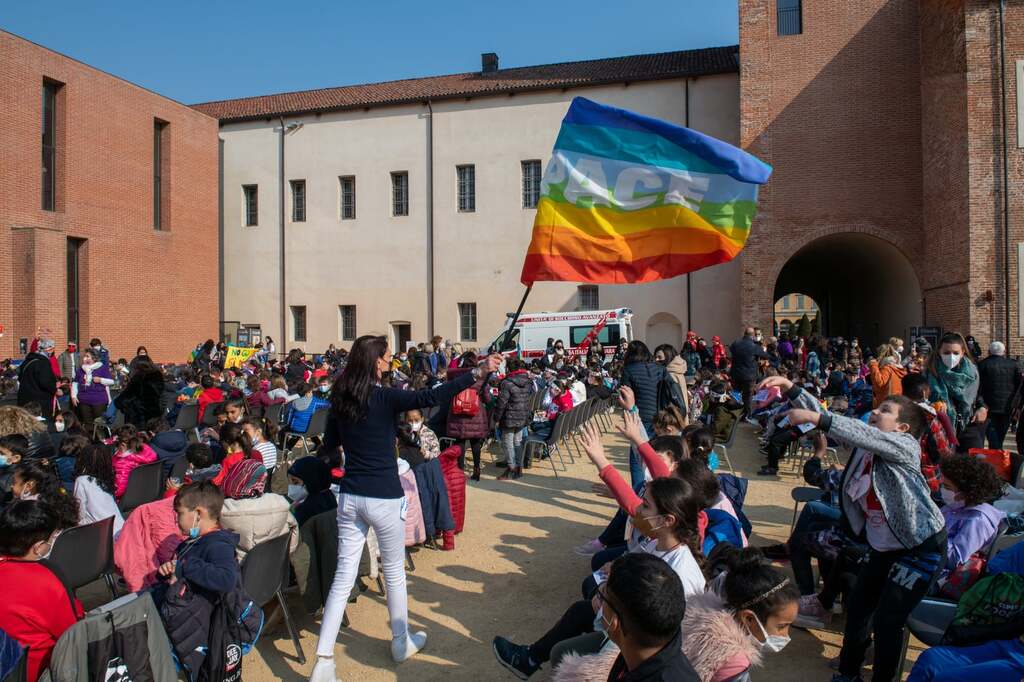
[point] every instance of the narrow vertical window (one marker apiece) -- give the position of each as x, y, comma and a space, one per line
467, 188
74, 296
49, 177
587, 297
347, 315
299, 322
250, 194
348, 197
467, 321
158, 162
789, 17
298, 201
400, 193
531, 183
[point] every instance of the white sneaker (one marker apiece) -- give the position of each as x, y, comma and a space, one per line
404, 648
324, 670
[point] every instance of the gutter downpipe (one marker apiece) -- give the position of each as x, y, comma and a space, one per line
689, 296
281, 262
220, 233
1006, 170
430, 220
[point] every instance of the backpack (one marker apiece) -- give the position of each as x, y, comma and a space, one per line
992, 609
466, 403
235, 626
669, 393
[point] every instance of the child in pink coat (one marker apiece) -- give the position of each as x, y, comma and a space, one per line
131, 452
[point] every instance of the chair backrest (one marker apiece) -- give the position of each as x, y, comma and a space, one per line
273, 413
144, 486
264, 568
188, 417
84, 553
318, 422
990, 547
559, 429
179, 468
209, 414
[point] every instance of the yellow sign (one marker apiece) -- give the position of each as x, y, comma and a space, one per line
237, 356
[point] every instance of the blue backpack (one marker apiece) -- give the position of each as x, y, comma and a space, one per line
722, 527
735, 490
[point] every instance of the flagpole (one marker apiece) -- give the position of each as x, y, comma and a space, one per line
512, 325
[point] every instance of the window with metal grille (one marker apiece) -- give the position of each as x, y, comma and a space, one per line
586, 297
467, 188
348, 197
49, 178
789, 17
467, 321
531, 183
347, 318
298, 201
299, 322
400, 193
252, 209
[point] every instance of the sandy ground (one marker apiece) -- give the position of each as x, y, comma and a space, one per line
513, 573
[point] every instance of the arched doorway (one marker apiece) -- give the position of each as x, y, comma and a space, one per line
664, 328
864, 286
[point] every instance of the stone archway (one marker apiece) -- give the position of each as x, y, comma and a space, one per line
664, 328
864, 285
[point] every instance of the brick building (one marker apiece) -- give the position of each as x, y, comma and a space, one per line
884, 122
115, 234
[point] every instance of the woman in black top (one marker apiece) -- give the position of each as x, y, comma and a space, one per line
363, 422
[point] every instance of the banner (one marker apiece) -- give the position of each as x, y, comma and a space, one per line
237, 356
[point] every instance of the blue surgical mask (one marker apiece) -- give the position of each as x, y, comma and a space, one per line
193, 532
325, 388
3, 460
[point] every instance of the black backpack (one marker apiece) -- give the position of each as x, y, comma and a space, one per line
235, 625
669, 393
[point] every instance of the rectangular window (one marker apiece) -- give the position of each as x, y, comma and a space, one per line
347, 318
609, 336
789, 19
400, 193
785, 302
299, 322
73, 275
49, 177
467, 321
348, 197
531, 183
298, 201
467, 188
1020, 102
586, 297
250, 194
158, 161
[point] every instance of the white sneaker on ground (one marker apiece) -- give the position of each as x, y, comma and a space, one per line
812, 614
324, 670
404, 648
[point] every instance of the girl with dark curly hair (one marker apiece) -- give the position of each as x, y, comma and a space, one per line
33, 481
969, 486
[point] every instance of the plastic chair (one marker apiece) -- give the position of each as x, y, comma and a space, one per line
316, 428
145, 485
723, 448
179, 468
552, 445
803, 494
188, 419
86, 553
264, 574
209, 414
927, 622
100, 424
273, 413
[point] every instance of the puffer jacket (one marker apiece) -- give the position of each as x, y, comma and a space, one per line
462, 426
126, 462
257, 519
455, 481
1000, 377
513, 408
169, 446
643, 378
712, 637
415, 531
149, 537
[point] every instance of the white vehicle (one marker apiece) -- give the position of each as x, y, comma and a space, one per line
532, 331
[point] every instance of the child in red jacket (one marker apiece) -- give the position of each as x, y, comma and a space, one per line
38, 612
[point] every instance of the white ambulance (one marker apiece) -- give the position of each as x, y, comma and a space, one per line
532, 331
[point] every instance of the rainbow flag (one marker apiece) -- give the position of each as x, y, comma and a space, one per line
628, 199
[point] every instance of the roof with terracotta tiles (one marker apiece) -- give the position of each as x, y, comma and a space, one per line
646, 67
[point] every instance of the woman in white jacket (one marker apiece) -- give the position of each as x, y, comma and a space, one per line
256, 516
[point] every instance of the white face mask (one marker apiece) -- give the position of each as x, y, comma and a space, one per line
951, 360
416, 426
772, 643
27, 494
297, 492
58, 426
949, 497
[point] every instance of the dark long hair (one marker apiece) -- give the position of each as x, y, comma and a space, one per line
50, 491
637, 351
351, 391
95, 461
668, 350
679, 498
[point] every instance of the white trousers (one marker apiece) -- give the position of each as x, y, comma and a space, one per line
356, 515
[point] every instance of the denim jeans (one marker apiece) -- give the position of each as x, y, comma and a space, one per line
813, 517
636, 463
512, 443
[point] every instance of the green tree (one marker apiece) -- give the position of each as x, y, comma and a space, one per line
803, 328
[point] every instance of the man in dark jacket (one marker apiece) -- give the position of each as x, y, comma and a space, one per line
512, 414
642, 376
36, 381
1000, 379
743, 373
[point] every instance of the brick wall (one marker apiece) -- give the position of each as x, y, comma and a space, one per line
138, 285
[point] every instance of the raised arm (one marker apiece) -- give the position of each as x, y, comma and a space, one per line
895, 447
402, 401
633, 429
623, 494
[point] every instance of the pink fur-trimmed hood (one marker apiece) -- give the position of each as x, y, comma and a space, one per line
712, 637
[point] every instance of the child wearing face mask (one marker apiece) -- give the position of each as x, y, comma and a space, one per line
40, 608
31, 480
884, 500
730, 630
263, 435
969, 486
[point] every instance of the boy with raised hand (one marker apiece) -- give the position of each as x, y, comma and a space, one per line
884, 500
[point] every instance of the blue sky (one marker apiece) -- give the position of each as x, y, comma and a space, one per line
195, 51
